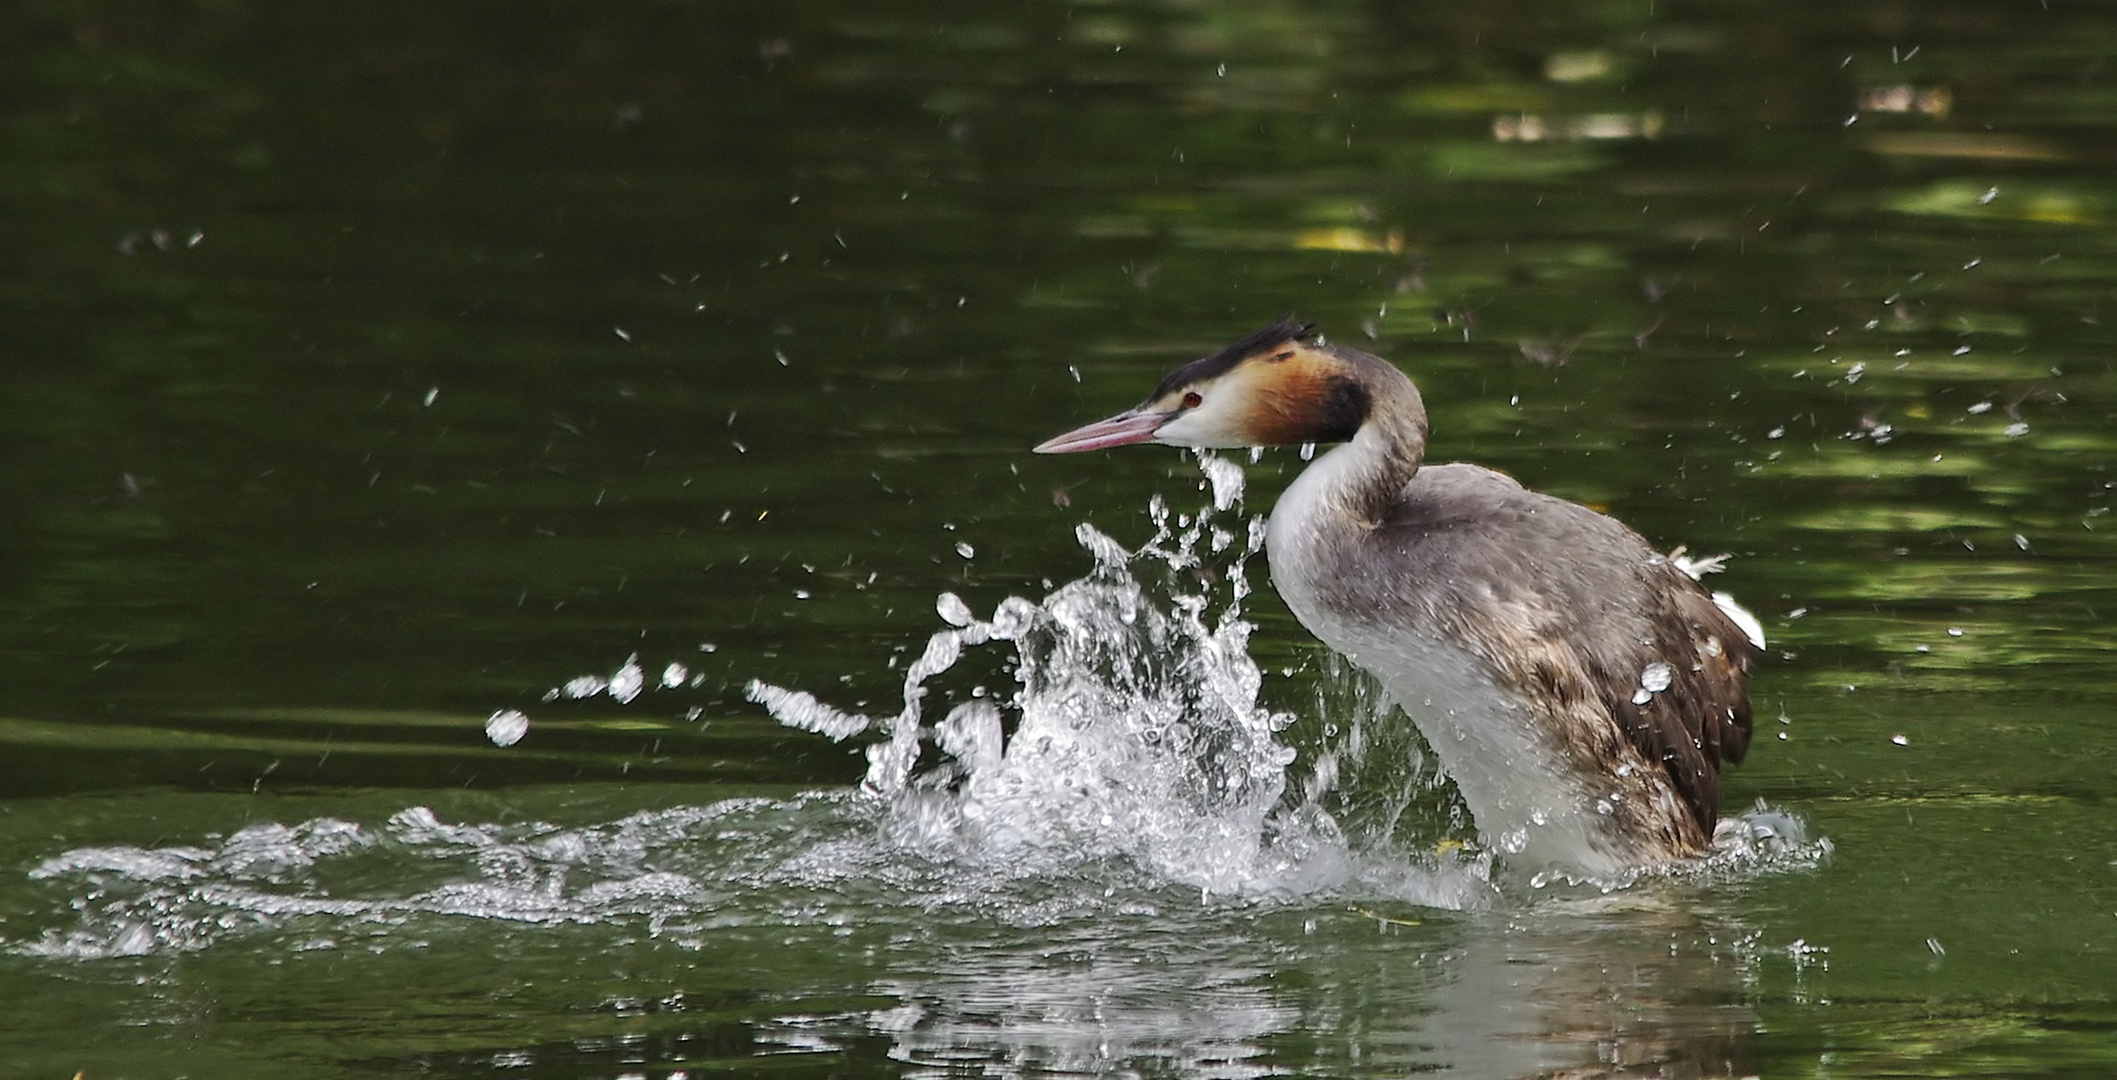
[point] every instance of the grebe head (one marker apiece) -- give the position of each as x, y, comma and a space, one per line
1272, 388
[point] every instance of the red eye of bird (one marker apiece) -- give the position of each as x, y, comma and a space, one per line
1191, 400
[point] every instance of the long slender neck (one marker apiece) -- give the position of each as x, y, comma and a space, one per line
1369, 473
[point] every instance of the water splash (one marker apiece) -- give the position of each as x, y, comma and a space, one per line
1136, 733
333, 883
1136, 755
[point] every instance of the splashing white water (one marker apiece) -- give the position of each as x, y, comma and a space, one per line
319, 878
1137, 733
1134, 755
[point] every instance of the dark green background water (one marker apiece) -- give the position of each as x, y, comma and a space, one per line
367, 371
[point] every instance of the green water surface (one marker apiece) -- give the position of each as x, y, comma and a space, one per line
369, 369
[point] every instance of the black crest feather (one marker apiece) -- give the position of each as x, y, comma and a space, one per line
1279, 333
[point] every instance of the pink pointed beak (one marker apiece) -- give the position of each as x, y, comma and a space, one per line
1124, 429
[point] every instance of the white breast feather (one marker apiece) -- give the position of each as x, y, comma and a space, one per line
1527, 802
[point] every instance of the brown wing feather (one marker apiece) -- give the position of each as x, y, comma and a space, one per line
1572, 606
1703, 717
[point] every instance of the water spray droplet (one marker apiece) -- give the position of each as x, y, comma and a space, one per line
506, 727
1656, 677
953, 610
627, 682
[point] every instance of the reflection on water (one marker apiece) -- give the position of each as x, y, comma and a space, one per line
1088, 970
1475, 999
1092, 969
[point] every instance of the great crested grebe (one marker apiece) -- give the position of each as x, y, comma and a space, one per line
1581, 688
